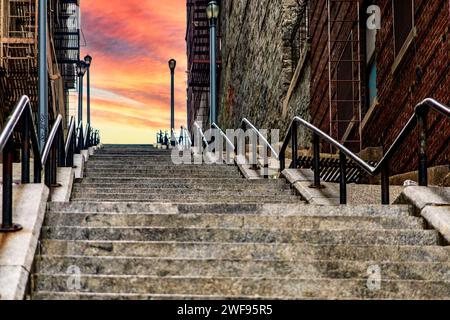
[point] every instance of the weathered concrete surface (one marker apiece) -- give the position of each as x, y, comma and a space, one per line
91, 151
65, 178
436, 176
247, 171
17, 250
421, 197
85, 154
79, 162
302, 179
432, 203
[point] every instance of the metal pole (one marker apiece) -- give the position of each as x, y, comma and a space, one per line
80, 99
343, 178
43, 74
88, 93
172, 106
213, 76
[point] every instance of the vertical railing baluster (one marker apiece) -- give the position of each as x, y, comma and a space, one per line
316, 160
343, 178
61, 149
423, 169
54, 161
385, 184
26, 148
294, 145
8, 156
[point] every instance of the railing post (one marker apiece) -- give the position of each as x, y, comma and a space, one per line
316, 160
423, 165
343, 178
48, 172
81, 142
53, 159
385, 184
7, 195
61, 150
254, 141
37, 168
26, 148
294, 145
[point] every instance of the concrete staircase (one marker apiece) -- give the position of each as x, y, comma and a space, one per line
139, 227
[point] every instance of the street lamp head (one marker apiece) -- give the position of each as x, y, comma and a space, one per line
88, 60
212, 10
81, 68
172, 64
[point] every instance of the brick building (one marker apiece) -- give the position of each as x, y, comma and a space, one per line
378, 76
355, 69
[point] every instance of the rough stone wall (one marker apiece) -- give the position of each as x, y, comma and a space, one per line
257, 66
401, 90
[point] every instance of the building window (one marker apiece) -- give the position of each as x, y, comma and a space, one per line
372, 83
403, 22
371, 67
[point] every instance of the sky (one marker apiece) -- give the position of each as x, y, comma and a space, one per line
131, 42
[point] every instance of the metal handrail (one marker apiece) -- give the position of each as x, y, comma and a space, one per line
54, 146
205, 141
86, 142
186, 137
57, 126
174, 135
70, 134
80, 140
419, 118
224, 136
246, 122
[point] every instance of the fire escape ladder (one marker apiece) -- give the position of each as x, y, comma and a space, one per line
344, 72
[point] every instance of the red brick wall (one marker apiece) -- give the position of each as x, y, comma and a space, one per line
399, 92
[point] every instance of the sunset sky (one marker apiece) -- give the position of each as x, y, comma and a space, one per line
131, 42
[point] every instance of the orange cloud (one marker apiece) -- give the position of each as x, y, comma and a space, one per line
131, 42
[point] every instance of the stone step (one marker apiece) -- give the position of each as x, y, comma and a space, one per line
137, 188
227, 208
199, 180
180, 182
231, 221
328, 269
247, 251
161, 187
80, 192
162, 175
349, 237
181, 198
272, 287
161, 169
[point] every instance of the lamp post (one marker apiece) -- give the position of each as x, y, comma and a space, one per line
212, 11
172, 66
81, 70
88, 61
43, 75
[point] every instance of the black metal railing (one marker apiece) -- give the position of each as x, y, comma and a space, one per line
246, 124
418, 119
57, 151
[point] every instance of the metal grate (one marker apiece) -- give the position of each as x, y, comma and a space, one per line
329, 169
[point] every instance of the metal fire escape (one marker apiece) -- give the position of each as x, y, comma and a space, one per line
67, 41
344, 72
197, 39
18, 51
